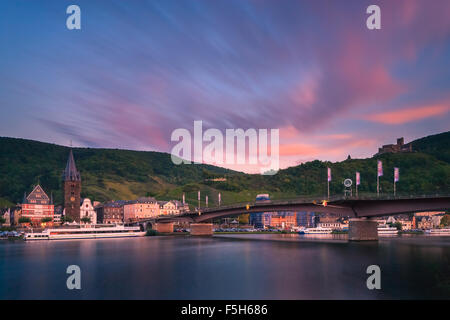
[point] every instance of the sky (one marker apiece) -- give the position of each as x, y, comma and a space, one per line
137, 70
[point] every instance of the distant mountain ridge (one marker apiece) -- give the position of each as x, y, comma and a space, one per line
123, 174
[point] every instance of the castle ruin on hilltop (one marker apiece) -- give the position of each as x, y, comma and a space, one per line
395, 148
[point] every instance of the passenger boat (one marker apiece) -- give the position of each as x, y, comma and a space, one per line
318, 230
386, 230
89, 232
441, 232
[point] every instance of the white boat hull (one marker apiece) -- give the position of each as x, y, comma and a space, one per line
438, 232
86, 233
87, 236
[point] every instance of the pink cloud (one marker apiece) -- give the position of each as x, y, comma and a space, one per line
409, 114
336, 136
298, 149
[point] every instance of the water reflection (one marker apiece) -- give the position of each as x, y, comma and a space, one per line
227, 267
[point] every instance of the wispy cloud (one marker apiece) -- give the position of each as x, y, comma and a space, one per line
409, 114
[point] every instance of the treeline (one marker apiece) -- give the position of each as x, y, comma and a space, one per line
121, 174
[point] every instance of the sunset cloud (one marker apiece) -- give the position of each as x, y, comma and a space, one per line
298, 150
409, 114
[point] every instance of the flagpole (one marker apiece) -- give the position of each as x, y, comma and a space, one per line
396, 178
378, 185
379, 173
328, 183
358, 177
394, 187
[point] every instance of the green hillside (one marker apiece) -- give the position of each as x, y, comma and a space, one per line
122, 174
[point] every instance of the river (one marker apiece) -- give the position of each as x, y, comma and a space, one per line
227, 267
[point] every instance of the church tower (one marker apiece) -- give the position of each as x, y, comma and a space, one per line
72, 189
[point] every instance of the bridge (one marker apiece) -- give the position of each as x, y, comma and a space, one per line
360, 210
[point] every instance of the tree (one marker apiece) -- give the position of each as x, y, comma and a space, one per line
2, 220
244, 218
86, 220
445, 221
66, 219
24, 220
46, 219
398, 225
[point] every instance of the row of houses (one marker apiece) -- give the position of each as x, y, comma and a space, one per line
37, 209
420, 220
142, 208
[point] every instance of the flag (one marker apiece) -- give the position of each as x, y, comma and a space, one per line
380, 168
198, 195
358, 179
329, 174
396, 174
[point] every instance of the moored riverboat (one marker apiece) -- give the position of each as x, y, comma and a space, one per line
89, 232
440, 232
318, 230
385, 230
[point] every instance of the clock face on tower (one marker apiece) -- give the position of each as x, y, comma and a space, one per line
72, 199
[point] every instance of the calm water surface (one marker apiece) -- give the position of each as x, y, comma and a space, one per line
226, 267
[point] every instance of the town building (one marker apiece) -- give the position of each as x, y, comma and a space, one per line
428, 213
260, 219
425, 223
306, 219
72, 189
395, 148
38, 206
283, 220
111, 212
169, 208
57, 216
180, 206
6, 214
87, 211
14, 214
142, 208
406, 224
436, 220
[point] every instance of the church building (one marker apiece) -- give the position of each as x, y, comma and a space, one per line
72, 189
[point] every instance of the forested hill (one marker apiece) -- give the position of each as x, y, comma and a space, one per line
122, 174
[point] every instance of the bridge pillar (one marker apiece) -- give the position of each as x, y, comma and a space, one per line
164, 227
201, 229
362, 229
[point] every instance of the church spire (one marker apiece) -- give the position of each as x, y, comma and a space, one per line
71, 173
